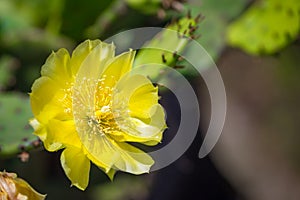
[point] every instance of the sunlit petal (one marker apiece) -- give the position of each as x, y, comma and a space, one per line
80, 53
57, 67
117, 68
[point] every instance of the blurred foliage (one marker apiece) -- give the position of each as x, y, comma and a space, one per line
16, 134
167, 46
76, 18
145, 6
266, 27
120, 189
7, 68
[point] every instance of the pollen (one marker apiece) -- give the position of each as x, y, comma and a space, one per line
66, 99
103, 120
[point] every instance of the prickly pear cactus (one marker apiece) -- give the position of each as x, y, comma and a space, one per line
266, 27
15, 133
166, 46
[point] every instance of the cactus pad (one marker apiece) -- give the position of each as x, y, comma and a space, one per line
15, 132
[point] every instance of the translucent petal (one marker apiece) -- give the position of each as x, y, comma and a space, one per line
106, 153
111, 174
145, 120
93, 65
100, 150
133, 160
118, 67
138, 93
136, 130
57, 67
120, 156
76, 166
80, 53
88, 77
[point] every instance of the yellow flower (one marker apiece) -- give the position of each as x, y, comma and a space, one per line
12, 187
91, 105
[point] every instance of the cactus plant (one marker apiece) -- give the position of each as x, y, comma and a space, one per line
15, 133
167, 45
266, 27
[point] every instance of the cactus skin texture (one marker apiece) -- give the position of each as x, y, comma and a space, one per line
15, 132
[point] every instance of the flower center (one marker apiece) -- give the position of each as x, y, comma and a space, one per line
96, 110
104, 116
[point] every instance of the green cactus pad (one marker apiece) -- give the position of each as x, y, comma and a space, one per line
15, 132
166, 46
266, 27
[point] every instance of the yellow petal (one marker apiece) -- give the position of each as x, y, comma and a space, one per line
61, 132
76, 166
57, 67
142, 100
136, 130
93, 65
39, 129
101, 149
88, 76
157, 120
146, 119
139, 93
132, 159
111, 174
56, 134
49, 112
59, 107
117, 68
43, 90
80, 53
